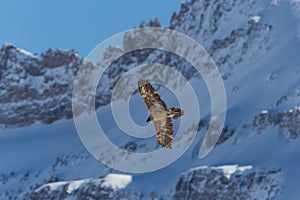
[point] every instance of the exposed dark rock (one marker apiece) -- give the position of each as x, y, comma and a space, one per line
288, 122
228, 182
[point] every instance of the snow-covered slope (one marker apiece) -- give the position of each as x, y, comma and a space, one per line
256, 46
109, 187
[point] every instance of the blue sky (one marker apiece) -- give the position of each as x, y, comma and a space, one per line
36, 25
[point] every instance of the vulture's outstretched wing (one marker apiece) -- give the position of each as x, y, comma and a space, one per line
149, 94
164, 131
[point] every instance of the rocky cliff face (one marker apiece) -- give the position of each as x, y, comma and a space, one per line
39, 89
228, 182
229, 45
36, 89
287, 122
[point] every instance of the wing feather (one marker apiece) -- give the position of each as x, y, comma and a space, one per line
149, 94
164, 131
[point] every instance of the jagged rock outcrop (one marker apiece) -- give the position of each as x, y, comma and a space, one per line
288, 122
228, 182
229, 46
36, 89
40, 89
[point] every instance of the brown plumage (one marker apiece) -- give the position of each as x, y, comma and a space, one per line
159, 113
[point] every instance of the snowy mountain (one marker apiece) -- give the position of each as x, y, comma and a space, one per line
256, 46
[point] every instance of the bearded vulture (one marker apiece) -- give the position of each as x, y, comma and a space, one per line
159, 113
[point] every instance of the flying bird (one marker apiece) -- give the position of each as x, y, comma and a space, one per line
159, 113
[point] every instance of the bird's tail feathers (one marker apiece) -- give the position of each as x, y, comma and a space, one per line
175, 112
